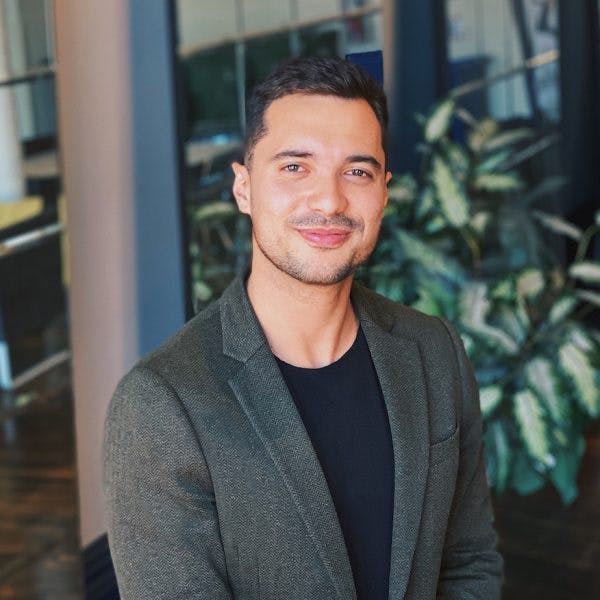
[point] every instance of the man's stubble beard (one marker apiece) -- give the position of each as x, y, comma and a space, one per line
292, 266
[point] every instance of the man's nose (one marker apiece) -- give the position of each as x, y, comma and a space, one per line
328, 196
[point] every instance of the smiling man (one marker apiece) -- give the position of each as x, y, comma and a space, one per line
303, 438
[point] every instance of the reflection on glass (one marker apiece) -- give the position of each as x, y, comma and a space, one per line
491, 37
218, 73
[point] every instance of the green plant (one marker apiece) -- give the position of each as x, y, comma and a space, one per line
466, 240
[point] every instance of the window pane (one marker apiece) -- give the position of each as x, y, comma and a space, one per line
311, 9
489, 37
199, 22
211, 96
264, 14
263, 54
216, 79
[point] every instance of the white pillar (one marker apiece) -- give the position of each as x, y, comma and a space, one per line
94, 97
11, 171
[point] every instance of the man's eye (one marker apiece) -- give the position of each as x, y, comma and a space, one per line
359, 173
293, 168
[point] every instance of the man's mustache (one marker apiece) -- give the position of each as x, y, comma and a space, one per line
316, 220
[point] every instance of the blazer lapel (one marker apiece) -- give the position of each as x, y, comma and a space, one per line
400, 371
266, 401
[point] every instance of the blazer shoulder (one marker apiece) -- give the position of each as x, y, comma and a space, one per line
191, 355
403, 320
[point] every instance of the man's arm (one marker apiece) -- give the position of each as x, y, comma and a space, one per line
471, 566
162, 519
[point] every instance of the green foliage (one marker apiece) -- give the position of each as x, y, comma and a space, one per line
469, 241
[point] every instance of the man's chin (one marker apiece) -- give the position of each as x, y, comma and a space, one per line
322, 275
311, 273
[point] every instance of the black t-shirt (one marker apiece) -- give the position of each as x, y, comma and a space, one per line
345, 416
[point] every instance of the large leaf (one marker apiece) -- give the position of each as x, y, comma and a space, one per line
457, 158
507, 138
214, 210
402, 189
427, 303
561, 309
558, 225
513, 322
497, 182
425, 202
423, 254
481, 133
474, 307
564, 474
530, 283
498, 452
480, 221
530, 418
490, 397
453, 202
490, 163
542, 379
575, 363
587, 296
439, 121
524, 478
587, 271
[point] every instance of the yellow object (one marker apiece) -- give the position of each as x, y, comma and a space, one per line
12, 213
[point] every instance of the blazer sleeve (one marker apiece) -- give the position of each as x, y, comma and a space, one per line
471, 566
163, 528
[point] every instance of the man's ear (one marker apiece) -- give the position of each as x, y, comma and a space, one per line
388, 177
241, 187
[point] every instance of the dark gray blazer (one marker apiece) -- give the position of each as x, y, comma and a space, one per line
214, 491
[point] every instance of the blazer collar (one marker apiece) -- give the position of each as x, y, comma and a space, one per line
399, 367
261, 391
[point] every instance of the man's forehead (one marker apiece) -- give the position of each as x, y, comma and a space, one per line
307, 99
301, 113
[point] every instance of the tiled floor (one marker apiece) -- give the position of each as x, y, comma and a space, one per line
39, 549
552, 552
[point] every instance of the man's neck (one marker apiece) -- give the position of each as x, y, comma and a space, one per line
306, 325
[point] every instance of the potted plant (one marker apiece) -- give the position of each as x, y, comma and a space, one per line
466, 240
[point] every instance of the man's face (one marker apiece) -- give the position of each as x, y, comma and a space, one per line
316, 187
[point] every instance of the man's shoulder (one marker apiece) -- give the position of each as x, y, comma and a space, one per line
402, 320
192, 353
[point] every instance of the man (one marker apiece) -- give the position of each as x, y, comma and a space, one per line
303, 438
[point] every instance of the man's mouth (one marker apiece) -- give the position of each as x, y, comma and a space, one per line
325, 238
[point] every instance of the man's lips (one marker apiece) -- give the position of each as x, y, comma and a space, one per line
325, 238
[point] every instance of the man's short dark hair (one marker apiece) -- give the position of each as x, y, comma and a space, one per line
330, 76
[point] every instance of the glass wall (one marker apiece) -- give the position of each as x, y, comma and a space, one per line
492, 38
32, 299
504, 64
223, 50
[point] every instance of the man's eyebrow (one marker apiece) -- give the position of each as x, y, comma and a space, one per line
365, 158
292, 154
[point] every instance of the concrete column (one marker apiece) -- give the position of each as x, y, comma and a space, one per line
94, 106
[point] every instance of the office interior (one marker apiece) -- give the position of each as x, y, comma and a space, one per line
118, 122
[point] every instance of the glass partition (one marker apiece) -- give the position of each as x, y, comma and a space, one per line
223, 50
492, 38
32, 297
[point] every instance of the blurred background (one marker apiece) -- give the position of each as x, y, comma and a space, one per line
118, 123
